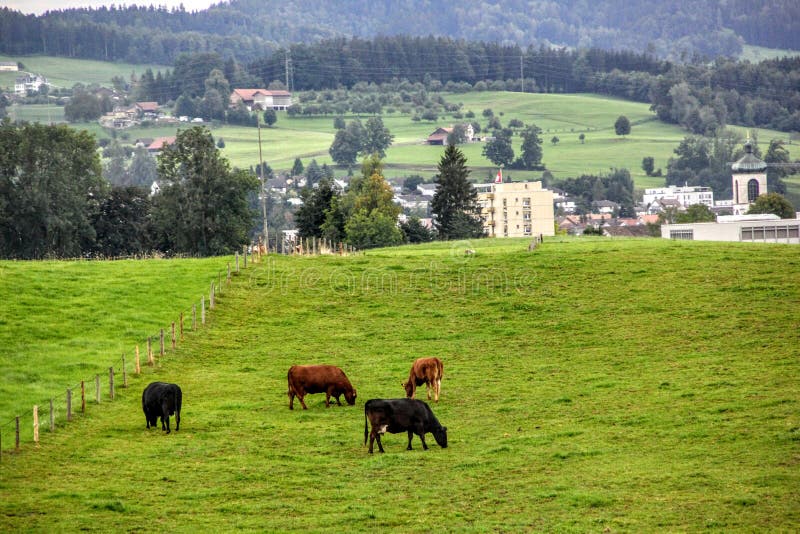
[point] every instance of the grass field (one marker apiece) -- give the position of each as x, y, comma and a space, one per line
63, 322
66, 72
592, 385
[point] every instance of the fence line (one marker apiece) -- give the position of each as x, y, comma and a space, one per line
17, 422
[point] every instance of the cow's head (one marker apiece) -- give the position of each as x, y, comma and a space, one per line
440, 435
409, 387
350, 396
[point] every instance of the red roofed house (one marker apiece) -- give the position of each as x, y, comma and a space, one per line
147, 110
159, 143
439, 136
261, 99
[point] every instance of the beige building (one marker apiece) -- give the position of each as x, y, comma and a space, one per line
516, 209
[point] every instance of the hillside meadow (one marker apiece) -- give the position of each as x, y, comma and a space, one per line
62, 322
66, 72
562, 116
589, 385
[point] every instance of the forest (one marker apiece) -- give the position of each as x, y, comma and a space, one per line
249, 29
702, 97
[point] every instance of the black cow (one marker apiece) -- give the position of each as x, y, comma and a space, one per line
160, 399
402, 415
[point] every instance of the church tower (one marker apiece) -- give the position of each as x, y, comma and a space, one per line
749, 180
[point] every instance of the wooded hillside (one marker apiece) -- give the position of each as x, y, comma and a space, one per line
247, 29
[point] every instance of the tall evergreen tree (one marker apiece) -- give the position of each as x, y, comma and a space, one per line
455, 202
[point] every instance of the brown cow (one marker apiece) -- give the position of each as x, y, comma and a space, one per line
328, 379
428, 371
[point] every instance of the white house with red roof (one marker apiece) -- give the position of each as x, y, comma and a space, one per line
261, 99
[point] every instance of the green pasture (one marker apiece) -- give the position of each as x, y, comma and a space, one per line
46, 114
66, 72
562, 116
63, 322
591, 385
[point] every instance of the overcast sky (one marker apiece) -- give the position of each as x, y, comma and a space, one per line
40, 6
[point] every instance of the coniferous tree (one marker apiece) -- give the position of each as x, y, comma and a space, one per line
455, 202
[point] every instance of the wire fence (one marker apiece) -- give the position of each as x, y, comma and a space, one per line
78, 398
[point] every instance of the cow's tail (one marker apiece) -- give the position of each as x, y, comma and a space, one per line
365, 424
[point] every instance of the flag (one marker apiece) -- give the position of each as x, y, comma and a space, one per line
499, 178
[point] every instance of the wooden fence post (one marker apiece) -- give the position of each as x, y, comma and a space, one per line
161, 340
16, 441
211, 297
97, 388
124, 373
173, 335
194, 317
111, 382
237, 262
52, 417
69, 405
150, 361
36, 424
203, 309
229, 274
137, 363
83, 397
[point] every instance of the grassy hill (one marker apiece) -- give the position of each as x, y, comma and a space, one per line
66, 72
63, 322
594, 384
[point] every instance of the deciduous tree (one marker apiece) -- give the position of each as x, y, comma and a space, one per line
202, 207
622, 126
51, 185
773, 203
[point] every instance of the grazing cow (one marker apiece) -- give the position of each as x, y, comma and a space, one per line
402, 415
328, 379
428, 371
160, 399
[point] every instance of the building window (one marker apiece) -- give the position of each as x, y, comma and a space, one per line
752, 190
681, 234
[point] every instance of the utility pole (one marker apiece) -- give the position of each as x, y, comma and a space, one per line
263, 185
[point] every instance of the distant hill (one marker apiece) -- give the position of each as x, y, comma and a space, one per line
249, 29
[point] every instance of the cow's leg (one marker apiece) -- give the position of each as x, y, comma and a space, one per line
291, 399
428, 389
177, 420
422, 439
437, 389
327, 399
371, 440
380, 445
410, 437
302, 402
165, 416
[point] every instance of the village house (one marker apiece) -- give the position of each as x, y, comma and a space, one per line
29, 83
8, 66
685, 196
159, 143
261, 99
440, 135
